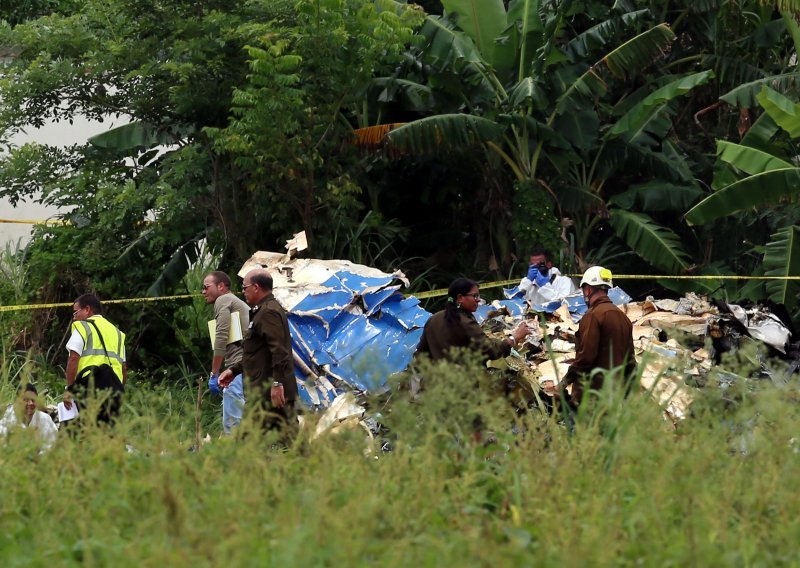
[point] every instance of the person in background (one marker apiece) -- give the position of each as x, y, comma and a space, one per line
217, 291
267, 360
24, 414
455, 326
544, 282
96, 348
67, 411
604, 339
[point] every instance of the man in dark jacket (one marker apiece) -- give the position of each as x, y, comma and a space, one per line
267, 355
604, 339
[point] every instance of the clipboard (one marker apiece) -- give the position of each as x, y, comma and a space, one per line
235, 329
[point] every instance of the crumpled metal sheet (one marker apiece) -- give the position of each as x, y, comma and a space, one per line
574, 302
763, 325
351, 326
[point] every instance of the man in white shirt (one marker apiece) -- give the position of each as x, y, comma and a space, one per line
544, 282
25, 415
96, 351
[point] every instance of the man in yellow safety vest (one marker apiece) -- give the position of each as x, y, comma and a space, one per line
96, 354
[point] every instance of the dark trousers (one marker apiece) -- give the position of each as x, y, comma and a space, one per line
283, 420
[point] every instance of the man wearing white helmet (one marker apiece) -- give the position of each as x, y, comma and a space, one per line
604, 339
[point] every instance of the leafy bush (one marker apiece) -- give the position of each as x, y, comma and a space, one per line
624, 488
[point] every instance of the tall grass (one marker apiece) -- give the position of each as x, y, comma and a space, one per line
624, 488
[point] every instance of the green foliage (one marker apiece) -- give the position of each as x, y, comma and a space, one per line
659, 245
442, 132
625, 487
782, 258
290, 121
534, 221
190, 320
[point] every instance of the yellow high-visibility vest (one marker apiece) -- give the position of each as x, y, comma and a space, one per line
93, 352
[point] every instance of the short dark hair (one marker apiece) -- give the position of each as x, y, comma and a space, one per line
90, 301
221, 278
263, 279
30, 388
540, 250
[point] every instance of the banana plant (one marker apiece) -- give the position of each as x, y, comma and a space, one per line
768, 180
538, 111
761, 174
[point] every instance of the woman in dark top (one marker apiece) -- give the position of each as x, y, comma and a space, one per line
455, 326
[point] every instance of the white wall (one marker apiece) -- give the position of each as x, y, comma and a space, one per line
54, 134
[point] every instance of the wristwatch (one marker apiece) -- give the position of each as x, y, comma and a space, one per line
276, 384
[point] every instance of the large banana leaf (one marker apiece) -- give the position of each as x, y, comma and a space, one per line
618, 155
482, 20
657, 195
761, 133
176, 267
636, 120
411, 95
448, 46
581, 128
744, 96
526, 12
758, 137
597, 36
749, 160
525, 15
657, 245
134, 136
443, 132
640, 51
783, 111
624, 61
767, 188
782, 258
527, 92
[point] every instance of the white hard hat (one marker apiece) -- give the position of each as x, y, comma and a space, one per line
597, 276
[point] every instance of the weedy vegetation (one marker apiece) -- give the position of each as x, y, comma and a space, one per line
625, 487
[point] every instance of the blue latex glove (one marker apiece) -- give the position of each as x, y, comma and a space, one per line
541, 279
533, 273
213, 385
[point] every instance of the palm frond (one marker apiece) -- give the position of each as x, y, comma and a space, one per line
657, 245
783, 111
624, 61
640, 51
744, 96
176, 267
598, 36
749, 160
657, 195
635, 121
482, 20
444, 132
768, 188
782, 258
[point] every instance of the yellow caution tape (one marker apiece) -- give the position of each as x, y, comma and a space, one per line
31, 222
121, 301
443, 291
419, 295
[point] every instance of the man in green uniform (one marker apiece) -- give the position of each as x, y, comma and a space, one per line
267, 355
